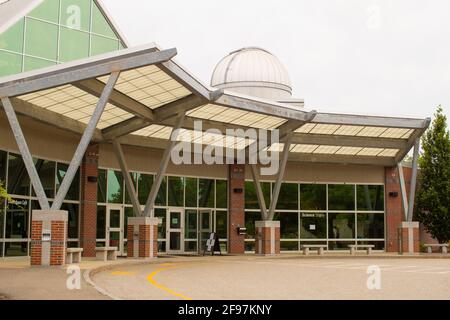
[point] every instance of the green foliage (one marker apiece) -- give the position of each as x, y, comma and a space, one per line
4, 194
433, 196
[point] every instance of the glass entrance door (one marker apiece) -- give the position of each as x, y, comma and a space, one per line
205, 228
115, 228
175, 227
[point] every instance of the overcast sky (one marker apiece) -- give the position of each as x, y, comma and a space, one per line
356, 56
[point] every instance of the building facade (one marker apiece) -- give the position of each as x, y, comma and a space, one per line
334, 204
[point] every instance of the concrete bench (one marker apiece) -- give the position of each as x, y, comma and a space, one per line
354, 248
320, 248
443, 247
106, 253
73, 255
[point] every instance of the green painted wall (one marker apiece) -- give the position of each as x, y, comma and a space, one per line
56, 31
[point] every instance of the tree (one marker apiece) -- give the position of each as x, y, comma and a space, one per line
433, 196
4, 194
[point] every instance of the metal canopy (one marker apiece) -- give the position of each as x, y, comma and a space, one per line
152, 91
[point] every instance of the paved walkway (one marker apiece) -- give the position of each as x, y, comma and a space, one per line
243, 278
229, 278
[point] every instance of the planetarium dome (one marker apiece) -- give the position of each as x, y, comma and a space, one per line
253, 71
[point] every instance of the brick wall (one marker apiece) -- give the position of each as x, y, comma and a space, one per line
36, 244
236, 205
57, 251
88, 215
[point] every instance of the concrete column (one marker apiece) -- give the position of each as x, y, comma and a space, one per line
142, 237
48, 237
267, 239
410, 233
88, 217
236, 205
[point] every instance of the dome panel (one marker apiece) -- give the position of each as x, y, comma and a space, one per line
253, 71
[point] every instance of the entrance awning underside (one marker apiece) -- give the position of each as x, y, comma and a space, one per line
150, 95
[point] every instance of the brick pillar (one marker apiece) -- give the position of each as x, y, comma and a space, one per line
48, 238
394, 209
410, 237
236, 205
267, 239
142, 237
88, 218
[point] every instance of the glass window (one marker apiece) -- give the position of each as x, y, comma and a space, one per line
17, 220
190, 224
251, 199
74, 45
101, 186
18, 180
161, 197
339, 245
206, 193
10, 63
222, 224
221, 194
115, 187
16, 249
76, 14
370, 225
313, 226
176, 191
288, 198
341, 225
3, 157
41, 40
341, 197
191, 192
101, 222
32, 63
99, 23
74, 190
134, 177
289, 245
101, 45
250, 219
73, 210
313, 197
2, 218
145, 182
190, 246
46, 172
161, 214
288, 224
48, 10
370, 198
12, 39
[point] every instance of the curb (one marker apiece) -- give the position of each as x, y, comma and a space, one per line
89, 273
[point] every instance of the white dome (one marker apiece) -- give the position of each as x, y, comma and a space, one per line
255, 72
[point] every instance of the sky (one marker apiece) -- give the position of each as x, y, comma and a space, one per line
377, 57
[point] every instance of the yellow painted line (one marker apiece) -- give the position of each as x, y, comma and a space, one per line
150, 278
122, 273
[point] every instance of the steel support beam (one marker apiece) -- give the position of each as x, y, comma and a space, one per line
85, 140
128, 181
279, 181
117, 98
150, 204
401, 178
347, 141
259, 192
93, 68
26, 155
412, 192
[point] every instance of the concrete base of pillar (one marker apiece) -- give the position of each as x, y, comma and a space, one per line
48, 237
142, 237
410, 237
267, 240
